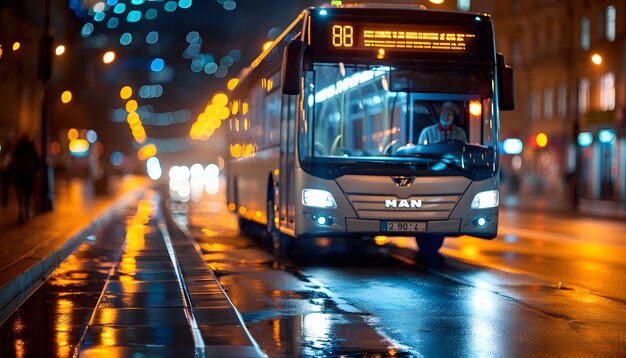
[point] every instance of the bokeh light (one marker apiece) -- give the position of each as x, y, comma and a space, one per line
151, 14
117, 158
170, 6
157, 65
66, 96
184, 4
59, 50
126, 92
119, 8
133, 16
230, 5
108, 57
91, 136
72, 134
113, 23
86, 30
152, 37
126, 39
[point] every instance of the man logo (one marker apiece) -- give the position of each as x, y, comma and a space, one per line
403, 181
392, 203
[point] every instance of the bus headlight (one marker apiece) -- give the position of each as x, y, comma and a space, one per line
486, 199
318, 198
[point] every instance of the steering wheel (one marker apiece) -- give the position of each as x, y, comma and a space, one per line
320, 148
333, 147
387, 149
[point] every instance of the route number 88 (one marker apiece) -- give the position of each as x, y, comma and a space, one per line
343, 36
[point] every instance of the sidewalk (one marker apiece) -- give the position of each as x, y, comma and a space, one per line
28, 253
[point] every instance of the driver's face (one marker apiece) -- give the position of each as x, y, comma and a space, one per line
446, 117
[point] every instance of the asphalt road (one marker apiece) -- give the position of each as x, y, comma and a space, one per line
549, 285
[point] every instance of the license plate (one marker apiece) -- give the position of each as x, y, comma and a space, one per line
403, 226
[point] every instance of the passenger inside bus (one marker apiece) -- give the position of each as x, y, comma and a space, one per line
445, 130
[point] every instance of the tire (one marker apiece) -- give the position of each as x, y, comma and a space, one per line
279, 244
429, 244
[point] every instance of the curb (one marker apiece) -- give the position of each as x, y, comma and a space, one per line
34, 275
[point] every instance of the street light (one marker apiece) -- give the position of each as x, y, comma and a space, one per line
108, 57
596, 59
59, 50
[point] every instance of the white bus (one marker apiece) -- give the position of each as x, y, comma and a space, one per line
337, 128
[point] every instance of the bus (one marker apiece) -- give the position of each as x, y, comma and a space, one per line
327, 133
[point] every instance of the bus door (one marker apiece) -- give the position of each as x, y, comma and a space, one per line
287, 161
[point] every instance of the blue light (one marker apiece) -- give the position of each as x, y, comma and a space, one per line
184, 4
92, 136
193, 37
170, 6
481, 221
157, 65
87, 30
133, 16
585, 139
512, 146
323, 12
321, 220
230, 5
151, 14
111, 2
606, 136
152, 37
235, 54
117, 158
126, 39
478, 19
119, 8
137, 2
113, 23
226, 61
210, 68
99, 16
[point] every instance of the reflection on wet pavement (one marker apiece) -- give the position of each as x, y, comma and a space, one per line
118, 295
385, 299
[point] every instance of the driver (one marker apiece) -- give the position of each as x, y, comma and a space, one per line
445, 130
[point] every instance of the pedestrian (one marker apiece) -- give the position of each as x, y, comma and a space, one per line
5, 172
24, 166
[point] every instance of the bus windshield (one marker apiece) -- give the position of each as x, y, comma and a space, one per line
427, 118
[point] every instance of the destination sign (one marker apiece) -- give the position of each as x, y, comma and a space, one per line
419, 38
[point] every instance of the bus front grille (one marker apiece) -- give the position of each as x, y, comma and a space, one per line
418, 207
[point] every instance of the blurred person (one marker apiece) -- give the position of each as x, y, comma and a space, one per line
445, 129
5, 172
24, 167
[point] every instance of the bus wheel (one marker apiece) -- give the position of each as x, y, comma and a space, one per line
278, 243
273, 234
429, 244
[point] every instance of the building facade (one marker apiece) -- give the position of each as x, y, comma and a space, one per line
569, 58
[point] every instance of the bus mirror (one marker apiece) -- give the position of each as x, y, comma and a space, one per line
506, 85
292, 67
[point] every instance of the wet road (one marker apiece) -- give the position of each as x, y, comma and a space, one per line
547, 286
136, 288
